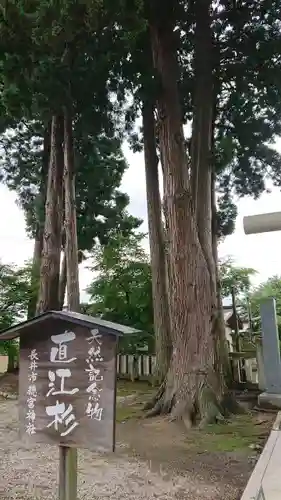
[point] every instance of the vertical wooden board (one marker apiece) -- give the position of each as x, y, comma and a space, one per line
146, 364
94, 430
139, 366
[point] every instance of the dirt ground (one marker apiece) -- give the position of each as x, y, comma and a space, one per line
154, 459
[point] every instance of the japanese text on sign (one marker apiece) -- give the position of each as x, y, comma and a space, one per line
32, 393
93, 408
59, 379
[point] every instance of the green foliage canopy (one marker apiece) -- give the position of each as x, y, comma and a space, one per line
268, 289
100, 165
234, 277
122, 290
15, 291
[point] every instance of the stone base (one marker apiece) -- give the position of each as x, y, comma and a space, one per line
269, 400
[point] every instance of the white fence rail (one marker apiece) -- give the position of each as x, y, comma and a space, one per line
142, 367
132, 367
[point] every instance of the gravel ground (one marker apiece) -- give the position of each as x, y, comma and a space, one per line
32, 473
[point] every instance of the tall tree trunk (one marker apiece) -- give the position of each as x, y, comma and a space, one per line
62, 282
50, 261
222, 352
163, 343
71, 252
35, 272
201, 161
203, 177
191, 386
201, 153
71, 244
38, 241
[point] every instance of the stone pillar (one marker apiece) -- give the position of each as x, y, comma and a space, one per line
271, 354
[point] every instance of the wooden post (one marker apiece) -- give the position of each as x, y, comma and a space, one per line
68, 456
67, 473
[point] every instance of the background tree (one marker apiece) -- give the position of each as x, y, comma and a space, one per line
233, 276
248, 104
15, 291
100, 167
138, 76
267, 289
122, 291
60, 58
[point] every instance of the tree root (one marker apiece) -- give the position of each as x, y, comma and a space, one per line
149, 405
210, 408
155, 411
194, 402
183, 411
231, 406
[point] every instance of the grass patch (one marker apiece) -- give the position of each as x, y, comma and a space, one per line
125, 388
124, 413
237, 434
137, 393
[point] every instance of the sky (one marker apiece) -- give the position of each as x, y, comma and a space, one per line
261, 251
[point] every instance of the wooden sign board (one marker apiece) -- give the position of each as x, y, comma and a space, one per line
68, 386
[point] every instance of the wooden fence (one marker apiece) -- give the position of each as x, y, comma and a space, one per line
142, 367
135, 367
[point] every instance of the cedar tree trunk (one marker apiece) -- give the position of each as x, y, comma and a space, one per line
71, 251
163, 345
38, 242
191, 385
70, 226
50, 261
62, 281
201, 148
203, 177
223, 360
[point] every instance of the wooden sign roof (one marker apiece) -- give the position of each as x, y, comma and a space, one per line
84, 320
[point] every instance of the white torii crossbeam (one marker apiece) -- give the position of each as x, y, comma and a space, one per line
262, 223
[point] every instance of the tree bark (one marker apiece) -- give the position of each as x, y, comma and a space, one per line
222, 352
50, 261
62, 281
203, 177
35, 272
201, 151
71, 254
38, 242
71, 244
163, 345
201, 154
191, 387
